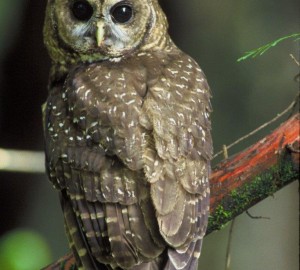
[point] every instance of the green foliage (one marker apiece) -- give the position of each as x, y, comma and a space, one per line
261, 50
23, 250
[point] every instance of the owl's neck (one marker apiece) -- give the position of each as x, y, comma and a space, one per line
158, 37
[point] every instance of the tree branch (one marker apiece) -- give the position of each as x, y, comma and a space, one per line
245, 179
254, 174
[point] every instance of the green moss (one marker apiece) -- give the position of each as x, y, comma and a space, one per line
261, 187
219, 219
62, 265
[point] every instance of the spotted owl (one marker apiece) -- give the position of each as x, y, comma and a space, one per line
127, 136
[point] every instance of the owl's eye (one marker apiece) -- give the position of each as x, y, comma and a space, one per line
82, 10
121, 13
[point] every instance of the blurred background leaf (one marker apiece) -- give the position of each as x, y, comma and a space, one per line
23, 249
10, 17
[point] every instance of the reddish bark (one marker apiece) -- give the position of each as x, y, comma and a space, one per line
243, 167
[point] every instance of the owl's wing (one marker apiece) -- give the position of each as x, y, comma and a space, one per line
176, 162
90, 122
114, 133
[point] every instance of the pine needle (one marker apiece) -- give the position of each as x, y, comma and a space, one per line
261, 50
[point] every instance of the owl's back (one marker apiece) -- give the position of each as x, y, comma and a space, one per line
128, 144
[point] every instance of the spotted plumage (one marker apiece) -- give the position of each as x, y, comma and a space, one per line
127, 135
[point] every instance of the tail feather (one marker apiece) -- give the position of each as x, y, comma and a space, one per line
156, 264
184, 259
78, 242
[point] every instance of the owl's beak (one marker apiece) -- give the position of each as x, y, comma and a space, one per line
100, 32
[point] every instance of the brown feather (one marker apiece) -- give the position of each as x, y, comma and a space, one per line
129, 145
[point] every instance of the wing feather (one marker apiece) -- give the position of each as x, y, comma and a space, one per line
164, 204
121, 247
141, 235
177, 162
132, 154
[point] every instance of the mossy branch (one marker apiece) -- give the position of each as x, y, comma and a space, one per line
245, 179
254, 174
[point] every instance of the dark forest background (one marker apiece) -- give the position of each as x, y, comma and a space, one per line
245, 95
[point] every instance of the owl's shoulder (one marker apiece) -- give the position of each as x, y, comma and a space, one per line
148, 67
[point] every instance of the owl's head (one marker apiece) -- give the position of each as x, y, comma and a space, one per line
89, 30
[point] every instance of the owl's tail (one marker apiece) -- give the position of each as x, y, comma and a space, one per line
185, 259
83, 261
156, 264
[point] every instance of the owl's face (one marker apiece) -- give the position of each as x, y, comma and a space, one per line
110, 28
